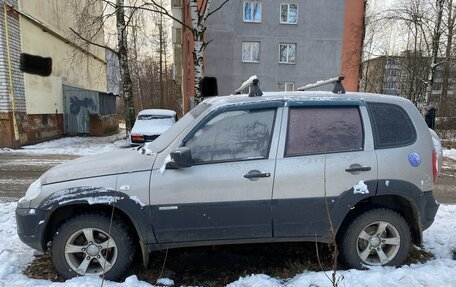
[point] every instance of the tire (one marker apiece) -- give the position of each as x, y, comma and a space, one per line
81, 246
379, 237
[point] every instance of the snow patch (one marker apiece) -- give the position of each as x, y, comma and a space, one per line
163, 167
137, 200
165, 282
440, 239
451, 153
360, 188
76, 145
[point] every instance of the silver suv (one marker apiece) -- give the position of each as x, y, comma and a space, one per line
241, 169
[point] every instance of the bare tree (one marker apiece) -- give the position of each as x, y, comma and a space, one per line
450, 22
199, 13
435, 51
92, 27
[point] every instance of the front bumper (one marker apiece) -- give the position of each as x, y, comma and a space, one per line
31, 223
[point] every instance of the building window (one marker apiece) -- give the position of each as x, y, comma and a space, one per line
176, 3
392, 73
286, 86
390, 85
288, 13
251, 52
287, 53
252, 11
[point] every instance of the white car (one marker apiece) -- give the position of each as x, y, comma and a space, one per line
150, 124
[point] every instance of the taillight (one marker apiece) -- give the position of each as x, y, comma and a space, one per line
435, 165
137, 137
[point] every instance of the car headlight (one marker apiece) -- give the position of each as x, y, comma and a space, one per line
32, 192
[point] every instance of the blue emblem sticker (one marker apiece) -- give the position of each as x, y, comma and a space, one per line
414, 159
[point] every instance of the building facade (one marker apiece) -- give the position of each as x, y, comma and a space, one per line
32, 108
286, 43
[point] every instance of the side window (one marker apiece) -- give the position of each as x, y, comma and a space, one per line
314, 130
234, 135
252, 11
391, 126
288, 13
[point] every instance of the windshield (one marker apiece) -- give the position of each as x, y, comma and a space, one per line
175, 130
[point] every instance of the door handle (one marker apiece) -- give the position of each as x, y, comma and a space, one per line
354, 168
256, 174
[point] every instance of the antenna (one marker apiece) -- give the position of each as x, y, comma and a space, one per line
254, 84
338, 87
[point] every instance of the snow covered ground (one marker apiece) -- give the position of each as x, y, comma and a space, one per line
451, 153
440, 239
77, 145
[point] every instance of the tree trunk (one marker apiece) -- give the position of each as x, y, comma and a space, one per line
198, 60
199, 27
127, 86
446, 68
435, 50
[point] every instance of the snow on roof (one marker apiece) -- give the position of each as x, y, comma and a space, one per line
157, 112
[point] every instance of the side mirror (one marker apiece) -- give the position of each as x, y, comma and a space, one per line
180, 157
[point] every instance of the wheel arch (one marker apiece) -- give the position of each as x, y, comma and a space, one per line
133, 213
402, 205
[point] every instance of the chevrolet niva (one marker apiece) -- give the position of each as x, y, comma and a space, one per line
240, 169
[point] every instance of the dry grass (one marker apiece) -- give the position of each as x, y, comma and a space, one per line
218, 266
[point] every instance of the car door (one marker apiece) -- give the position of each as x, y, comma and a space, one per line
226, 194
319, 141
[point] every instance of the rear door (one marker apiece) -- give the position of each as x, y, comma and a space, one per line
322, 154
227, 192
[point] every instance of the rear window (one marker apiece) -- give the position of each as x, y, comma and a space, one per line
313, 130
391, 125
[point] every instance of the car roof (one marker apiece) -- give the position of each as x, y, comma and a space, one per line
157, 112
302, 96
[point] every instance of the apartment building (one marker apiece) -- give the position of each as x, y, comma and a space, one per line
287, 43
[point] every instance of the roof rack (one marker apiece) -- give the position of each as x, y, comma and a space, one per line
338, 87
254, 84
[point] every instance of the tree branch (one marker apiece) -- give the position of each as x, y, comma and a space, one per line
162, 10
93, 43
216, 9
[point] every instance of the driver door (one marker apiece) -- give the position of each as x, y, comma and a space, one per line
227, 192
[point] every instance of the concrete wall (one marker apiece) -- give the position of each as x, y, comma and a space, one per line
70, 66
318, 35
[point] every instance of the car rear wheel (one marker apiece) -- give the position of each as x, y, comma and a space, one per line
380, 237
83, 245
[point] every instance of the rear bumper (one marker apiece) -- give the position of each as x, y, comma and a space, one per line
31, 224
429, 209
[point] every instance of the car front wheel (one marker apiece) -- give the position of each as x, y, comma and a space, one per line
90, 244
379, 237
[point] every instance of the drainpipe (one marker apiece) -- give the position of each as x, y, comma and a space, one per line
8, 56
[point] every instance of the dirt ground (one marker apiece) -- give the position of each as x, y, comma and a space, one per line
19, 170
